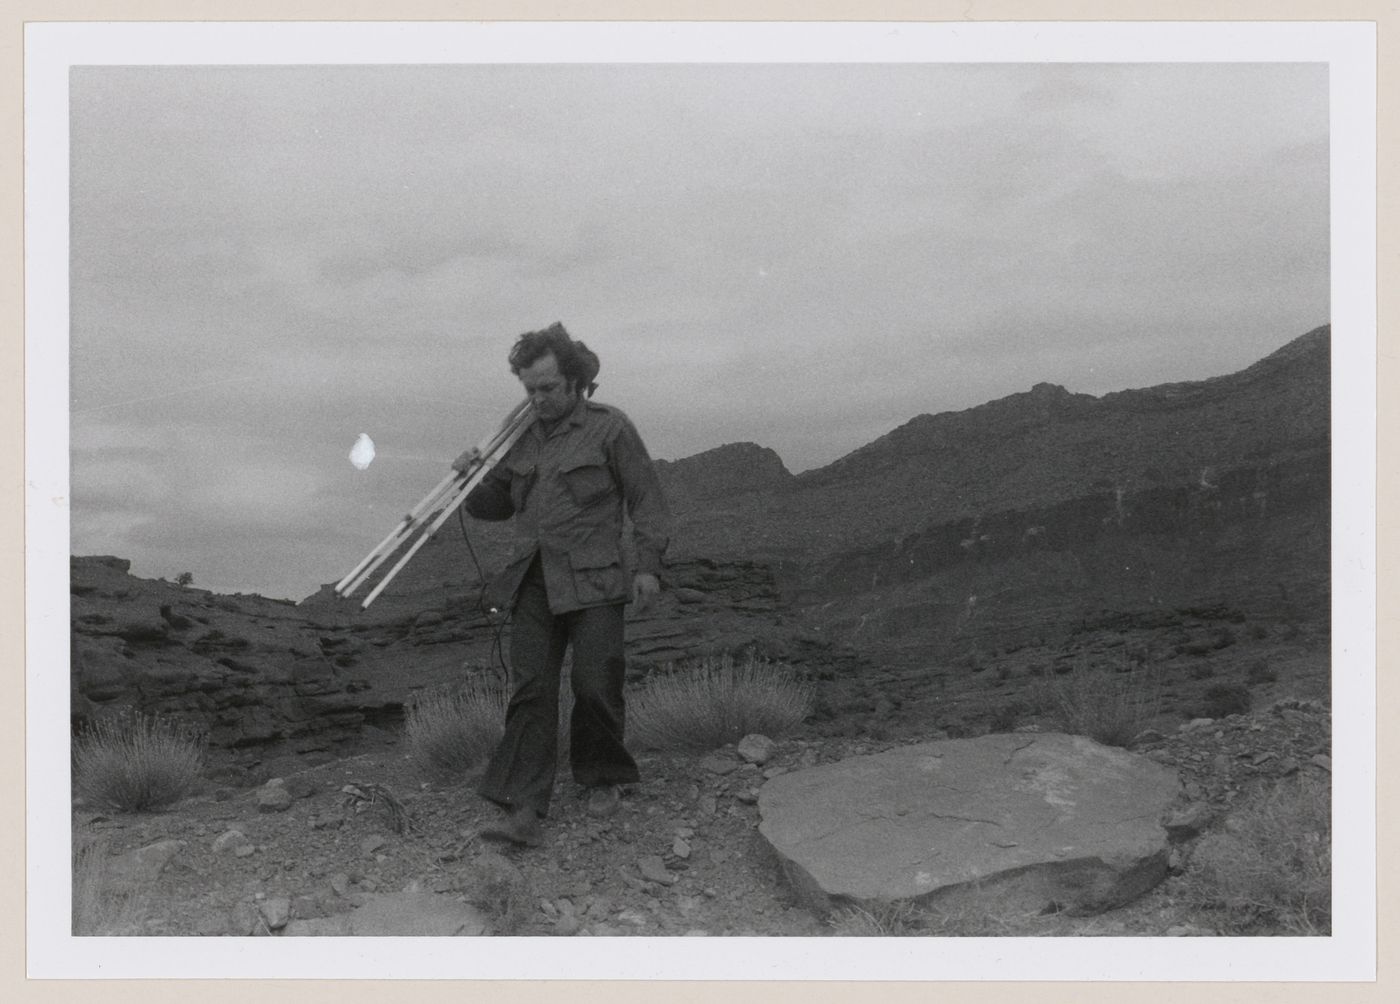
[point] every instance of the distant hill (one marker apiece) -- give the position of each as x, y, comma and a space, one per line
1028, 450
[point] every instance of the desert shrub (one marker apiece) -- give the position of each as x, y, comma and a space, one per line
99, 910
131, 762
715, 701
876, 920
1106, 706
451, 730
1270, 870
1224, 699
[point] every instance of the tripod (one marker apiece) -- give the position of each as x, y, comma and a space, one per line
428, 515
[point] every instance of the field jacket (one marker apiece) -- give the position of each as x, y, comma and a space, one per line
568, 491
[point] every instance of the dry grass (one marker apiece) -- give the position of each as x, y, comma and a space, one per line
132, 762
98, 910
1107, 706
714, 701
876, 920
1269, 871
452, 731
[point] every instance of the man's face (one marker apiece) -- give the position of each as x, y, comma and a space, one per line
548, 390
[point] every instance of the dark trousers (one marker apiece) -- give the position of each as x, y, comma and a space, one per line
522, 768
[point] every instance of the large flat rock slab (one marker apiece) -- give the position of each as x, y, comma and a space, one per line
400, 914
1041, 821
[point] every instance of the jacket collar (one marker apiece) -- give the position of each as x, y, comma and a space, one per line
576, 417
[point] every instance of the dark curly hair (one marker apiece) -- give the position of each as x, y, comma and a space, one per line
578, 364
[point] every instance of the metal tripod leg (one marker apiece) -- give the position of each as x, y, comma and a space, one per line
440, 503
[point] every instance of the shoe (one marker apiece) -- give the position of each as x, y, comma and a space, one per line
604, 799
521, 826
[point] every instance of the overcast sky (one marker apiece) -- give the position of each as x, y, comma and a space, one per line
268, 261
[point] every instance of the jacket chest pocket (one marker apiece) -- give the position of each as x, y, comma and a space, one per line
587, 478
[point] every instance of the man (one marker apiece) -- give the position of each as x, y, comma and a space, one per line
567, 481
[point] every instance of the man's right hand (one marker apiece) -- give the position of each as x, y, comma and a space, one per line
467, 460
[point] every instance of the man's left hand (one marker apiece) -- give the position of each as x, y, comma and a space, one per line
644, 587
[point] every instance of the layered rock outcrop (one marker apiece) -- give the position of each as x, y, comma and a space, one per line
267, 675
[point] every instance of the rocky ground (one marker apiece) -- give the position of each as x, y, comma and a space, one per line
307, 843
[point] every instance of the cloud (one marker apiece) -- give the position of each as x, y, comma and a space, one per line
268, 260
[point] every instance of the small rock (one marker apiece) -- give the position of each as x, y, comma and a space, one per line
244, 920
567, 926
211, 926
654, 870
340, 884
756, 749
598, 907
307, 907
302, 787
1187, 822
274, 797
680, 848
372, 843
276, 912
687, 595
134, 870
633, 917
232, 842
697, 932
707, 805
325, 927
1185, 931
749, 797
719, 765
416, 915
773, 772
1322, 760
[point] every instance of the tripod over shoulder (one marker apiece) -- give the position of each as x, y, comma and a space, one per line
428, 515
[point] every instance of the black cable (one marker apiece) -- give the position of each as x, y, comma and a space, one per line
497, 651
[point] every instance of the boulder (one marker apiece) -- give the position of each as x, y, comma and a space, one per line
415, 914
133, 871
1039, 822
